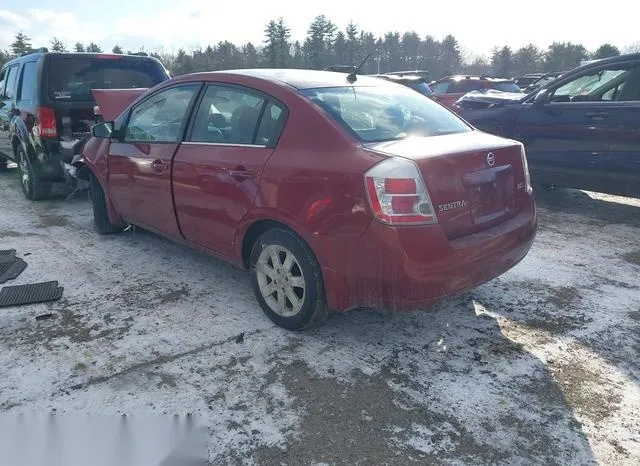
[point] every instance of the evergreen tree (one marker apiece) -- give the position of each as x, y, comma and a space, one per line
94, 48
21, 45
57, 45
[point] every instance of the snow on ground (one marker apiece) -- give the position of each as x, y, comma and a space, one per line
538, 366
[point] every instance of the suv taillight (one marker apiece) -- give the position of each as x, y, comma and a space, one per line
47, 122
397, 194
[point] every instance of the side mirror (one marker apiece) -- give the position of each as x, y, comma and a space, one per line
541, 98
102, 130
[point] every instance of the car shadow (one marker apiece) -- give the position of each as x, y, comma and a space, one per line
446, 385
603, 208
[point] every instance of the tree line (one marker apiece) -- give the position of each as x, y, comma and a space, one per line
325, 45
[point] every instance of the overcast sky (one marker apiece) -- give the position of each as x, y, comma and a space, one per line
478, 25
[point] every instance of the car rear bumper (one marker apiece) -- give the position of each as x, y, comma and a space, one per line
410, 267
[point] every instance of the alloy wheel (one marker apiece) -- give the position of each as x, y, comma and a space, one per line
280, 280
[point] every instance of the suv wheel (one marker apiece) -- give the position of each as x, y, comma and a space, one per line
99, 203
33, 188
287, 280
3, 165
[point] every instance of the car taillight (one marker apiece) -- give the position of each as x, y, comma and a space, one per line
397, 194
525, 167
47, 122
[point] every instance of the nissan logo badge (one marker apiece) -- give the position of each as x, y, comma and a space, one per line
491, 159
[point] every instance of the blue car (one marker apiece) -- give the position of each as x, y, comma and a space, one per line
581, 130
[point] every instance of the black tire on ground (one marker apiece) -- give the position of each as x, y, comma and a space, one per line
306, 268
99, 203
3, 165
33, 188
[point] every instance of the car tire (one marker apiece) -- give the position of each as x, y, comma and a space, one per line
4, 165
32, 187
287, 280
99, 203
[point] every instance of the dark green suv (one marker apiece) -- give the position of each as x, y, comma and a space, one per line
46, 108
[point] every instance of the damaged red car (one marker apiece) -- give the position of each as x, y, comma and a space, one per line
336, 191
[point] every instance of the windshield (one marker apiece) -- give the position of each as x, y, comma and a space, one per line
374, 114
71, 79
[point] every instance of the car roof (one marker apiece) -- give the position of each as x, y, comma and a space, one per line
40, 53
305, 79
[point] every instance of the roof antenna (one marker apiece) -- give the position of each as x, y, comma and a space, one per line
351, 77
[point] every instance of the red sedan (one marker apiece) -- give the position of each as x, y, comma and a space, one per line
334, 194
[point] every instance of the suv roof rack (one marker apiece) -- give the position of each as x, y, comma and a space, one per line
38, 50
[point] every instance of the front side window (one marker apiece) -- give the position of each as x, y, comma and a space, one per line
28, 83
160, 118
375, 114
227, 115
612, 84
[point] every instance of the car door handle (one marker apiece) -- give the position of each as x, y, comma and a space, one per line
240, 173
158, 166
597, 115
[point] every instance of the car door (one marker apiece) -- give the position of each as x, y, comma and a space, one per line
8, 80
140, 160
623, 170
217, 169
567, 135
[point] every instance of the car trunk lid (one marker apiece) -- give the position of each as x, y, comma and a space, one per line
475, 180
111, 102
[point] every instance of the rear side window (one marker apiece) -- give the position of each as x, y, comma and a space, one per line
272, 124
71, 79
3, 74
28, 82
227, 115
10, 90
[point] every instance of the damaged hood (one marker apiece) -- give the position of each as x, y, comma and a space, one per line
111, 102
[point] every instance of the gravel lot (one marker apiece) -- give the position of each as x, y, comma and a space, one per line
539, 366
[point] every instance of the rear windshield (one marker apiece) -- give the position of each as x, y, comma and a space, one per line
374, 114
71, 79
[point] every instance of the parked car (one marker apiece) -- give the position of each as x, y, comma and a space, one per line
416, 83
449, 89
424, 74
341, 68
581, 130
312, 182
46, 107
544, 79
525, 81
